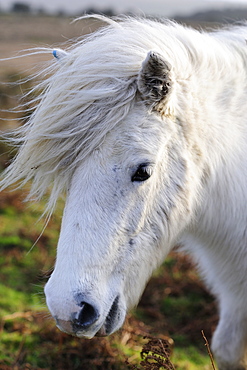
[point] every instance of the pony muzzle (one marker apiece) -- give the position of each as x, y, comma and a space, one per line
88, 323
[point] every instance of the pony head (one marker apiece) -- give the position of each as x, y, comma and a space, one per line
107, 132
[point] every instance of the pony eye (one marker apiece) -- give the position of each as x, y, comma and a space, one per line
142, 173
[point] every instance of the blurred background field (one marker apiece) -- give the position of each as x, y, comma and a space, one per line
175, 306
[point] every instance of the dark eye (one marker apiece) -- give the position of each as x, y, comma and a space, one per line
142, 173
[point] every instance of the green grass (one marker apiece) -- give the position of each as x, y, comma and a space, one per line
190, 358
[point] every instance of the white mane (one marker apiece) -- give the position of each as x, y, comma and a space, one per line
91, 90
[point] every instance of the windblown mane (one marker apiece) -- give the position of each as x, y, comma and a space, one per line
86, 94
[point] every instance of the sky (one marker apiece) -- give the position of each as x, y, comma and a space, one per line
167, 8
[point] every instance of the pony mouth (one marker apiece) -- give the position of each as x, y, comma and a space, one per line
111, 321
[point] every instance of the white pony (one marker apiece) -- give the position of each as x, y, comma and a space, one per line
144, 125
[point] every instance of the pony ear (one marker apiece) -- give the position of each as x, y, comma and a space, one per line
154, 80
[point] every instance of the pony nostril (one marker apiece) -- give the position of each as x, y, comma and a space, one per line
87, 316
